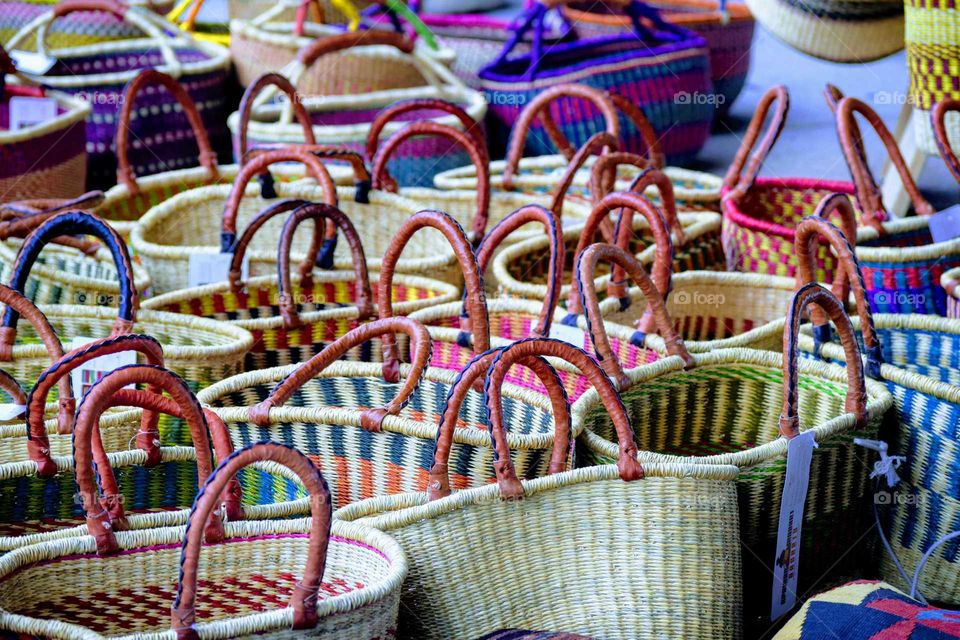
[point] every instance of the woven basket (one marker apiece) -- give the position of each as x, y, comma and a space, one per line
201, 68
346, 119
124, 582
932, 37
734, 392
727, 28
854, 32
333, 12
75, 30
590, 517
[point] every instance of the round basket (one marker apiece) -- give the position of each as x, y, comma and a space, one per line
933, 59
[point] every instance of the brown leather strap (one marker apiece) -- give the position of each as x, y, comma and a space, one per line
627, 463
246, 111
235, 276
105, 515
318, 212
738, 180
367, 38
512, 222
438, 484
479, 323
663, 257
26, 221
939, 118
656, 308
344, 154
208, 157
18, 395
303, 600
833, 95
25, 208
835, 204
597, 144
66, 7
540, 104
655, 156
383, 180
871, 201
856, 400
420, 351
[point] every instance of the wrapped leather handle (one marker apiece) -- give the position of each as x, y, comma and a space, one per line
256, 166
741, 175
656, 308
105, 515
303, 600
503, 229
20, 218
208, 157
383, 180
235, 275
856, 400
329, 213
324, 46
540, 103
603, 181
73, 223
627, 463
939, 118
438, 485
870, 198
246, 111
479, 323
597, 144
421, 347
18, 395
839, 205
833, 95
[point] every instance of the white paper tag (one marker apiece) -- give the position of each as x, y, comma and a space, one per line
945, 225
32, 62
87, 374
26, 112
9, 411
207, 268
787, 559
571, 335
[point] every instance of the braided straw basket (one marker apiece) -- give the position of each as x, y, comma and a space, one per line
631, 516
75, 30
735, 407
121, 583
540, 174
932, 37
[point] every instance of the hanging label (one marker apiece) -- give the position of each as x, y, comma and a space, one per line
208, 268
787, 559
26, 112
945, 225
89, 373
10, 411
571, 335
32, 62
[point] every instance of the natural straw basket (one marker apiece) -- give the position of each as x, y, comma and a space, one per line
123, 582
593, 517
75, 30
201, 67
723, 407
293, 320
932, 38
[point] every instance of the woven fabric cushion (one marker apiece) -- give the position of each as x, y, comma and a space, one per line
517, 634
866, 610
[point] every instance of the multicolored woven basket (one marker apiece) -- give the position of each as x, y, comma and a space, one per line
78, 29
932, 37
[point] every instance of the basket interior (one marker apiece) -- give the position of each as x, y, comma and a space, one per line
787, 205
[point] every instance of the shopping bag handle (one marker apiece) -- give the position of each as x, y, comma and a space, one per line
599, 144
304, 598
421, 347
383, 180
551, 223
208, 157
247, 105
325, 46
603, 181
18, 395
939, 118
656, 307
856, 399
742, 174
438, 483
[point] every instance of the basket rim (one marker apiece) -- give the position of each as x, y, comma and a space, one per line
708, 14
78, 111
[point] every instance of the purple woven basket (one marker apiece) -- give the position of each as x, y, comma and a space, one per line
665, 70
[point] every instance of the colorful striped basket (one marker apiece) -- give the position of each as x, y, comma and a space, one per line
727, 28
596, 518
112, 583
665, 61
291, 320
80, 71
737, 407
853, 32
43, 159
346, 119
932, 37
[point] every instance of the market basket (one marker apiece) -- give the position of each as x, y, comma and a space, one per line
76, 29
727, 28
349, 586
723, 408
346, 119
579, 515
46, 158
98, 74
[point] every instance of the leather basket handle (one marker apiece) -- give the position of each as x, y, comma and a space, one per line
939, 118
741, 175
18, 395
235, 275
340, 42
597, 144
246, 111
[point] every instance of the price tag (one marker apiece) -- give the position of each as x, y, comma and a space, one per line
9, 411
571, 335
945, 225
32, 62
787, 559
208, 268
27, 112
89, 373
